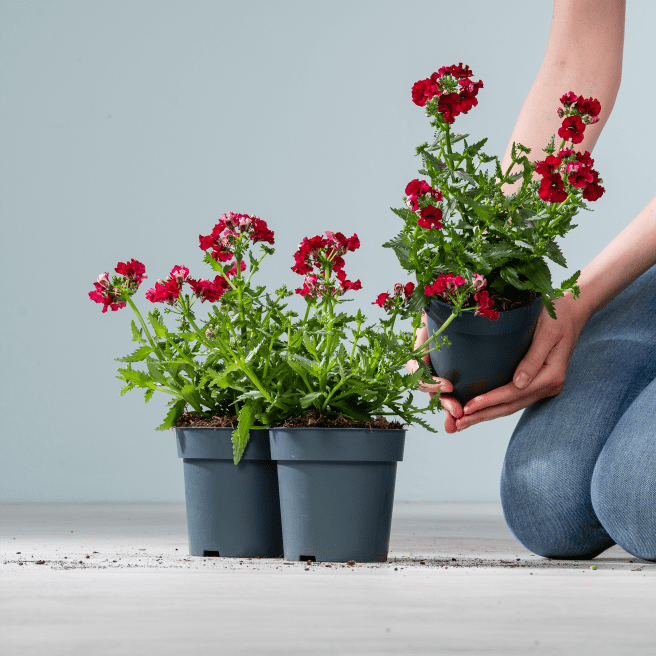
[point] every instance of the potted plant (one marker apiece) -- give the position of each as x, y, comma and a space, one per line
231, 510
478, 253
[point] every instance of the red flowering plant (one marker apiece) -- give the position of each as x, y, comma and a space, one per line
471, 245
344, 366
182, 363
254, 358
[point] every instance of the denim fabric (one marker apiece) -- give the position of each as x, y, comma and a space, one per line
580, 470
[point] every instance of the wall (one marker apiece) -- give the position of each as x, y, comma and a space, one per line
127, 128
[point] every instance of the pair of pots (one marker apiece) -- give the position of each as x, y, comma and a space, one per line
318, 494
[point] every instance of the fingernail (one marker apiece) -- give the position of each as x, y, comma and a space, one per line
521, 380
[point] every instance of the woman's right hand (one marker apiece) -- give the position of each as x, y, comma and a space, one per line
452, 409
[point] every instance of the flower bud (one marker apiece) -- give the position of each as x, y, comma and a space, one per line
593, 119
479, 282
398, 289
561, 112
245, 223
209, 333
229, 219
103, 279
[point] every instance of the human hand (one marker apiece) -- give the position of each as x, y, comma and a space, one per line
542, 371
452, 408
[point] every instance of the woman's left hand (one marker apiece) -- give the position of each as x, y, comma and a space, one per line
542, 371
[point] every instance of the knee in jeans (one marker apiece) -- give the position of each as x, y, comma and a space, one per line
550, 513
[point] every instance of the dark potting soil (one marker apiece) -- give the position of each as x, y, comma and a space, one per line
313, 419
196, 419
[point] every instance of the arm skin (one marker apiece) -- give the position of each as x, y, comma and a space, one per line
584, 55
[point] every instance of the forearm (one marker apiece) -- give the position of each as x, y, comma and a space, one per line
627, 257
584, 55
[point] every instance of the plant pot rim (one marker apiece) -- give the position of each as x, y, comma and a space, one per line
337, 444
336, 428
508, 321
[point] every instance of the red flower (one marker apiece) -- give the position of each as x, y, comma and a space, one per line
589, 106
579, 175
347, 284
430, 217
569, 98
133, 270
485, 306
411, 202
585, 159
548, 166
593, 191
407, 290
552, 188
382, 299
458, 70
309, 286
572, 129
164, 292
207, 290
105, 294
333, 246
445, 283
341, 243
179, 274
423, 91
565, 152
447, 105
260, 231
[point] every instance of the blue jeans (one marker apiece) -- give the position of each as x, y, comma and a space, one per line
580, 470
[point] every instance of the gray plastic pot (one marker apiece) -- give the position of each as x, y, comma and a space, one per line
336, 491
483, 354
232, 510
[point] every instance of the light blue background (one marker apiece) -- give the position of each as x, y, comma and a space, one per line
127, 128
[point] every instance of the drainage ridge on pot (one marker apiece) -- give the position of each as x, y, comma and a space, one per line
232, 510
336, 491
483, 354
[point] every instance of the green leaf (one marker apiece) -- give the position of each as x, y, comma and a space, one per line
510, 276
139, 378
474, 148
158, 326
555, 254
155, 373
241, 434
251, 394
309, 399
190, 395
137, 334
221, 378
148, 395
436, 163
549, 306
538, 273
138, 355
570, 284
176, 411
127, 388
466, 176
306, 364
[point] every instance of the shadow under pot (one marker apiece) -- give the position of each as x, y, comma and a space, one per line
336, 491
483, 354
232, 510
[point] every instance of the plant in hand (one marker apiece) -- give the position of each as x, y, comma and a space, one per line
255, 358
468, 243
